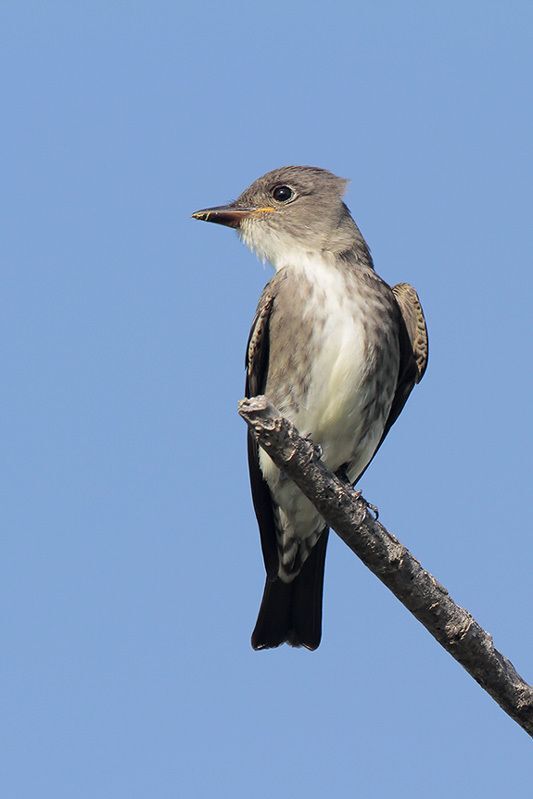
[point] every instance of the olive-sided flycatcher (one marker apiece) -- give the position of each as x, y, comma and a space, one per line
337, 351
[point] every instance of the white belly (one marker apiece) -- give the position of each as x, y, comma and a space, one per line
331, 411
336, 394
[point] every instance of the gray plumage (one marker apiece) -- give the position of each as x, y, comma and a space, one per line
336, 350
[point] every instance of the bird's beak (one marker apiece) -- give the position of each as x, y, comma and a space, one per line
229, 215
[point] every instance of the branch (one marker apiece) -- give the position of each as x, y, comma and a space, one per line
346, 511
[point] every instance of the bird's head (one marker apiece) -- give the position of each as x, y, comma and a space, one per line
290, 210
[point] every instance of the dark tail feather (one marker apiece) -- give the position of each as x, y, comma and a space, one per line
292, 612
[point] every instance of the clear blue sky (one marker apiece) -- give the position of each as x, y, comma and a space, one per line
130, 568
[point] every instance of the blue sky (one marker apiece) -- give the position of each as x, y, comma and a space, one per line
130, 571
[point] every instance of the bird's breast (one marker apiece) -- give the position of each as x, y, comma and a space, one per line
334, 359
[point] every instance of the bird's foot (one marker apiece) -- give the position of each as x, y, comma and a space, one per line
342, 474
373, 508
317, 449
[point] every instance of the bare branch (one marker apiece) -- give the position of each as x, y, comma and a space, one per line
346, 511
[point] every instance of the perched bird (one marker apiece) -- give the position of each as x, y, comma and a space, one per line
337, 351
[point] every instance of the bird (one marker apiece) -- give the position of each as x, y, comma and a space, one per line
337, 351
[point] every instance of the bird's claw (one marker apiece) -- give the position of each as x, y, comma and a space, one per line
317, 449
342, 474
373, 508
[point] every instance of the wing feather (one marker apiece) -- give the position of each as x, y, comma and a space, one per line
413, 317
257, 353
414, 348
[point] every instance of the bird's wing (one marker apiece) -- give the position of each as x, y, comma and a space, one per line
413, 316
413, 348
256, 374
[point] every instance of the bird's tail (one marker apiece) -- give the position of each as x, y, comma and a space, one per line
292, 612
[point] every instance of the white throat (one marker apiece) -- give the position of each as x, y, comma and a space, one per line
278, 249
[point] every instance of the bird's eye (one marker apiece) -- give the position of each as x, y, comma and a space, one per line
282, 194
